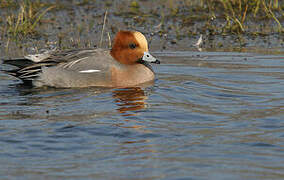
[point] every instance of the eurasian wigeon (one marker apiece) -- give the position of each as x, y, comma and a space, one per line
125, 65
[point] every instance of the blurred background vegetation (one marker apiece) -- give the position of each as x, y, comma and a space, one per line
77, 21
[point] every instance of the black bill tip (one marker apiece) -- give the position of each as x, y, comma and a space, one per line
156, 62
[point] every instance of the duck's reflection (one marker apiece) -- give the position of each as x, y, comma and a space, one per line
129, 100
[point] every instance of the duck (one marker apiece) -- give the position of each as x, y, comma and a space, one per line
126, 64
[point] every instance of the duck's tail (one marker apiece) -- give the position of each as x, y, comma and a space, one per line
20, 63
18, 72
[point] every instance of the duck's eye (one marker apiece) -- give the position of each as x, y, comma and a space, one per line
132, 46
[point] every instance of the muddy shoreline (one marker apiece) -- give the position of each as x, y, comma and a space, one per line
168, 25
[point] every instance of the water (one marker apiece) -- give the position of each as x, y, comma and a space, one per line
209, 115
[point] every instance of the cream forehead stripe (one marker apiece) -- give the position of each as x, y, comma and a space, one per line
141, 39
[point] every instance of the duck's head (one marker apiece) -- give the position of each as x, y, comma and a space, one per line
131, 47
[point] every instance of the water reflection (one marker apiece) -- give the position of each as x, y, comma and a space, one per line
129, 100
72, 104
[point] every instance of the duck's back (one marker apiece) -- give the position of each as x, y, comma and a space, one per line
71, 68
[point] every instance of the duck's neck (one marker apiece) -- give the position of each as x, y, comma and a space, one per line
148, 65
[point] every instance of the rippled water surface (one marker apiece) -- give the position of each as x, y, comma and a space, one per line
209, 115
